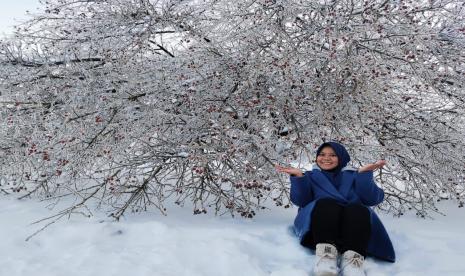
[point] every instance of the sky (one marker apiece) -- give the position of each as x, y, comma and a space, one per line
12, 12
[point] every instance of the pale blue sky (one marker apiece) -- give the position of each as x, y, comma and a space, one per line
12, 11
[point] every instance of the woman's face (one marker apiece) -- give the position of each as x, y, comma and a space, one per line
327, 159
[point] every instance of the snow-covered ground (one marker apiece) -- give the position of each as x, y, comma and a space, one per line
185, 245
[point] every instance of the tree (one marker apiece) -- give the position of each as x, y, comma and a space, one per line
129, 103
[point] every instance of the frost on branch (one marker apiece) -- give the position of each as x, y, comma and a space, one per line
129, 103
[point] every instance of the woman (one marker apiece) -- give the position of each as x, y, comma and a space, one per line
334, 214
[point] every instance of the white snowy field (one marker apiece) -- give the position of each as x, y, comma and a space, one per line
185, 245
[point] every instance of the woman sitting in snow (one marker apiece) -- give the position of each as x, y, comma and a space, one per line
334, 214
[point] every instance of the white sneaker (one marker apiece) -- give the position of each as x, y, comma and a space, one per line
326, 260
352, 264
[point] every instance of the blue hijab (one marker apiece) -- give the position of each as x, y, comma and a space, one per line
343, 159
341, 152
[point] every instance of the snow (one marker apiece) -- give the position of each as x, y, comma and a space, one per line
182, 244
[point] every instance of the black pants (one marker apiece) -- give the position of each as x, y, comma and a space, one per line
347, 227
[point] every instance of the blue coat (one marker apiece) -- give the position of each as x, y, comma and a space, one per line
354, 188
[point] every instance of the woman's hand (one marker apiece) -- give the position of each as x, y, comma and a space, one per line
371, 167
289, 170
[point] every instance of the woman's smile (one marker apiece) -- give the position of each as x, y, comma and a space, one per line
327, 159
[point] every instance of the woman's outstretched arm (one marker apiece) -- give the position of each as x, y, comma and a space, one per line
289, 170
372, 167
301, 190
365, 186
